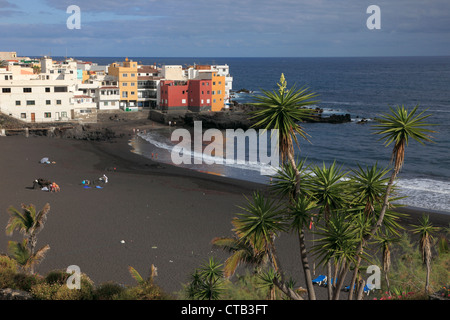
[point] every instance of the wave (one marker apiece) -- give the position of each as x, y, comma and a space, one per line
195, 157
424, 193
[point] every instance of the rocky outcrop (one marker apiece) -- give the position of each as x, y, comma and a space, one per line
11, 294
220, 120
87, 132
334, 118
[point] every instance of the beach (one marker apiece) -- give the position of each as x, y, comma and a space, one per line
148, 213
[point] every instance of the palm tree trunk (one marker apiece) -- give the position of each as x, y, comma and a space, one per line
281, 283
340, 281
353, 282
306, 269
329, 281
303, 251
360, 293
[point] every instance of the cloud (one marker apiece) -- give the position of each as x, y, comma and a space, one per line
245, 27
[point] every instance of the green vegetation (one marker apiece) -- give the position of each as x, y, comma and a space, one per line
349, 214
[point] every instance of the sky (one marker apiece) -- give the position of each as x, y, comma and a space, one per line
226, 28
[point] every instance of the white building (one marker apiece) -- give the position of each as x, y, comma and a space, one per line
44, 97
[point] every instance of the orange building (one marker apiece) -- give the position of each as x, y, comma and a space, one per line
127, 78
218, 92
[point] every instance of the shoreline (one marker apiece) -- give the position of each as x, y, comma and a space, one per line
165, 215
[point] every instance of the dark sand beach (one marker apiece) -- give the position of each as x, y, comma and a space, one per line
147, 213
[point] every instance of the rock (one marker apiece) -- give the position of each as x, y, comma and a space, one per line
10, 294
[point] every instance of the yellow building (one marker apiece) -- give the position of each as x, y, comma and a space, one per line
127, 78
218, 92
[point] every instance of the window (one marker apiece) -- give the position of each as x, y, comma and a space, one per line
125, 84
64, 114
132, 84
106, 103
58, 101
6, 90
125, 74
47, 114
125, 94
132, 93
214, 100
133, 75
26, 90
6, 77
23, 115
31, 103
60, 89
47, 89
48, 102
183, 101
17, 102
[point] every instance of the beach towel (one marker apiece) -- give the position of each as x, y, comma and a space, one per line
86, 187
44, 160
98, 187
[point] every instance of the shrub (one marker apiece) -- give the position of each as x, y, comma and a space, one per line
108, 291
146, 291
53, 289
57, 276
8, 269
25, 282
44, 291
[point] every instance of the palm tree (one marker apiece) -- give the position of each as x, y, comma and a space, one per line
21, 252
329, 190
267, 280
206, 281
259, 225
241, 253
139, 279
284, 181
368, 186
28, 222
425, 230
282, 110
337, 245
399, 128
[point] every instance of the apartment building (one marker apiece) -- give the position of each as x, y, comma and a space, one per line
194, 95
221, 79
44, 97
126, 74
148, 86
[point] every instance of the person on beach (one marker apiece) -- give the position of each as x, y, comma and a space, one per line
54, 187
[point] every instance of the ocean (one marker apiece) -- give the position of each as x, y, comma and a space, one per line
362, 87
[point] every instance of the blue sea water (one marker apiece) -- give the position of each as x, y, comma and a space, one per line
362, 87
